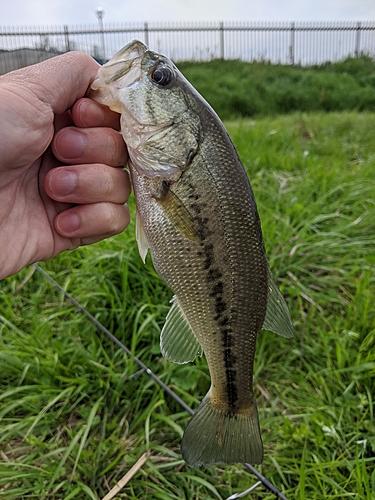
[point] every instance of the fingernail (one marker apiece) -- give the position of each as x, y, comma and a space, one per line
70, 144
64, 182
68, 223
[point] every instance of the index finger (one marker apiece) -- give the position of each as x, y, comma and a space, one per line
90, 114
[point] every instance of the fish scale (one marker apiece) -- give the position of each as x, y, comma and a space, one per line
197, 214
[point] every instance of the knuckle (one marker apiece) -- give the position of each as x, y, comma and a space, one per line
107, 187
111, 148
116, 150
117, 218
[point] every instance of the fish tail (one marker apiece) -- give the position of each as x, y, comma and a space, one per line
215, 436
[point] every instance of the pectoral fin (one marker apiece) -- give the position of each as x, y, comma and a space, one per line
143, 245
277, 318
178, 214
177, 341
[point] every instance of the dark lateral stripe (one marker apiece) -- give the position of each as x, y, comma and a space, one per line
232, 390
217, 285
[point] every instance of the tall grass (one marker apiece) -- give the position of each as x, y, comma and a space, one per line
260, 88
76, 413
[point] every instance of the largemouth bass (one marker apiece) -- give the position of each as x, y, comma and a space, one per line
196, 213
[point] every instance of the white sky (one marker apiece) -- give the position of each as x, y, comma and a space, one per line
80, 12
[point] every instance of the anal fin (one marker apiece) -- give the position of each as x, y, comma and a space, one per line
177, 340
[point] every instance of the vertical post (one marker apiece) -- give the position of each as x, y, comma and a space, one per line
100, 14
66, 35
358, 40
221, 40
146, 33
292, 43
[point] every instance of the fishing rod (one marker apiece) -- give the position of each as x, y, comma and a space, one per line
168, 390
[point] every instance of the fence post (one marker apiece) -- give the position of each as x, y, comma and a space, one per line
221, 40
292, 43
358, 40
66, 35
146, 33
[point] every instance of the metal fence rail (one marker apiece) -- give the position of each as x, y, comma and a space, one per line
286, 43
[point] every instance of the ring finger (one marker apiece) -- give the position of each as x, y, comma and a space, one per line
84, 184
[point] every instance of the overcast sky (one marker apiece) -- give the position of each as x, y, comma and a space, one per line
75, 12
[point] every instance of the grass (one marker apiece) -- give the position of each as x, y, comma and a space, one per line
76, 413
260, 88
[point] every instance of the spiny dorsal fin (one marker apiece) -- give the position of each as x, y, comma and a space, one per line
177, 340
277, 318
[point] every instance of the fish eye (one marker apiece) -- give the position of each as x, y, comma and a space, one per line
161, 76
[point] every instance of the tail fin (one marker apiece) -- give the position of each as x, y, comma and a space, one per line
214, 436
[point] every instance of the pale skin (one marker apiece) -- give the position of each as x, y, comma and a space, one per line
62, 184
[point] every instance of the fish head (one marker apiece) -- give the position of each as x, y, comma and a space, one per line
157, 105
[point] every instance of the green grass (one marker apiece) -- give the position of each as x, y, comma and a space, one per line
260, 88
76, 414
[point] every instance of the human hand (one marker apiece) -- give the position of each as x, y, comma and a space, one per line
58, 185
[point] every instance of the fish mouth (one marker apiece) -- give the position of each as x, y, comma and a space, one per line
131, 51
124, 68
122, 71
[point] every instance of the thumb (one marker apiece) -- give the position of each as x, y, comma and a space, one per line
31, 96
57, 82
61, 80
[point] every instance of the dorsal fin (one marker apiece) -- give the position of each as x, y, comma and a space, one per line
277, 318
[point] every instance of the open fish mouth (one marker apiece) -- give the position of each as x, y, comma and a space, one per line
123, 69
131, 51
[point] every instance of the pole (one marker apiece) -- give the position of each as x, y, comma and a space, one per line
358, 40
221, 40
100, 14
146, 34
292, 43
66, 35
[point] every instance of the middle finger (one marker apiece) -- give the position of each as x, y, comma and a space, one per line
75, 146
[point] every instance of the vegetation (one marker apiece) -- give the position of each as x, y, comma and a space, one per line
76, 413
260, 88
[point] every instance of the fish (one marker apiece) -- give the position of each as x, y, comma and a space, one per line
196, 214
